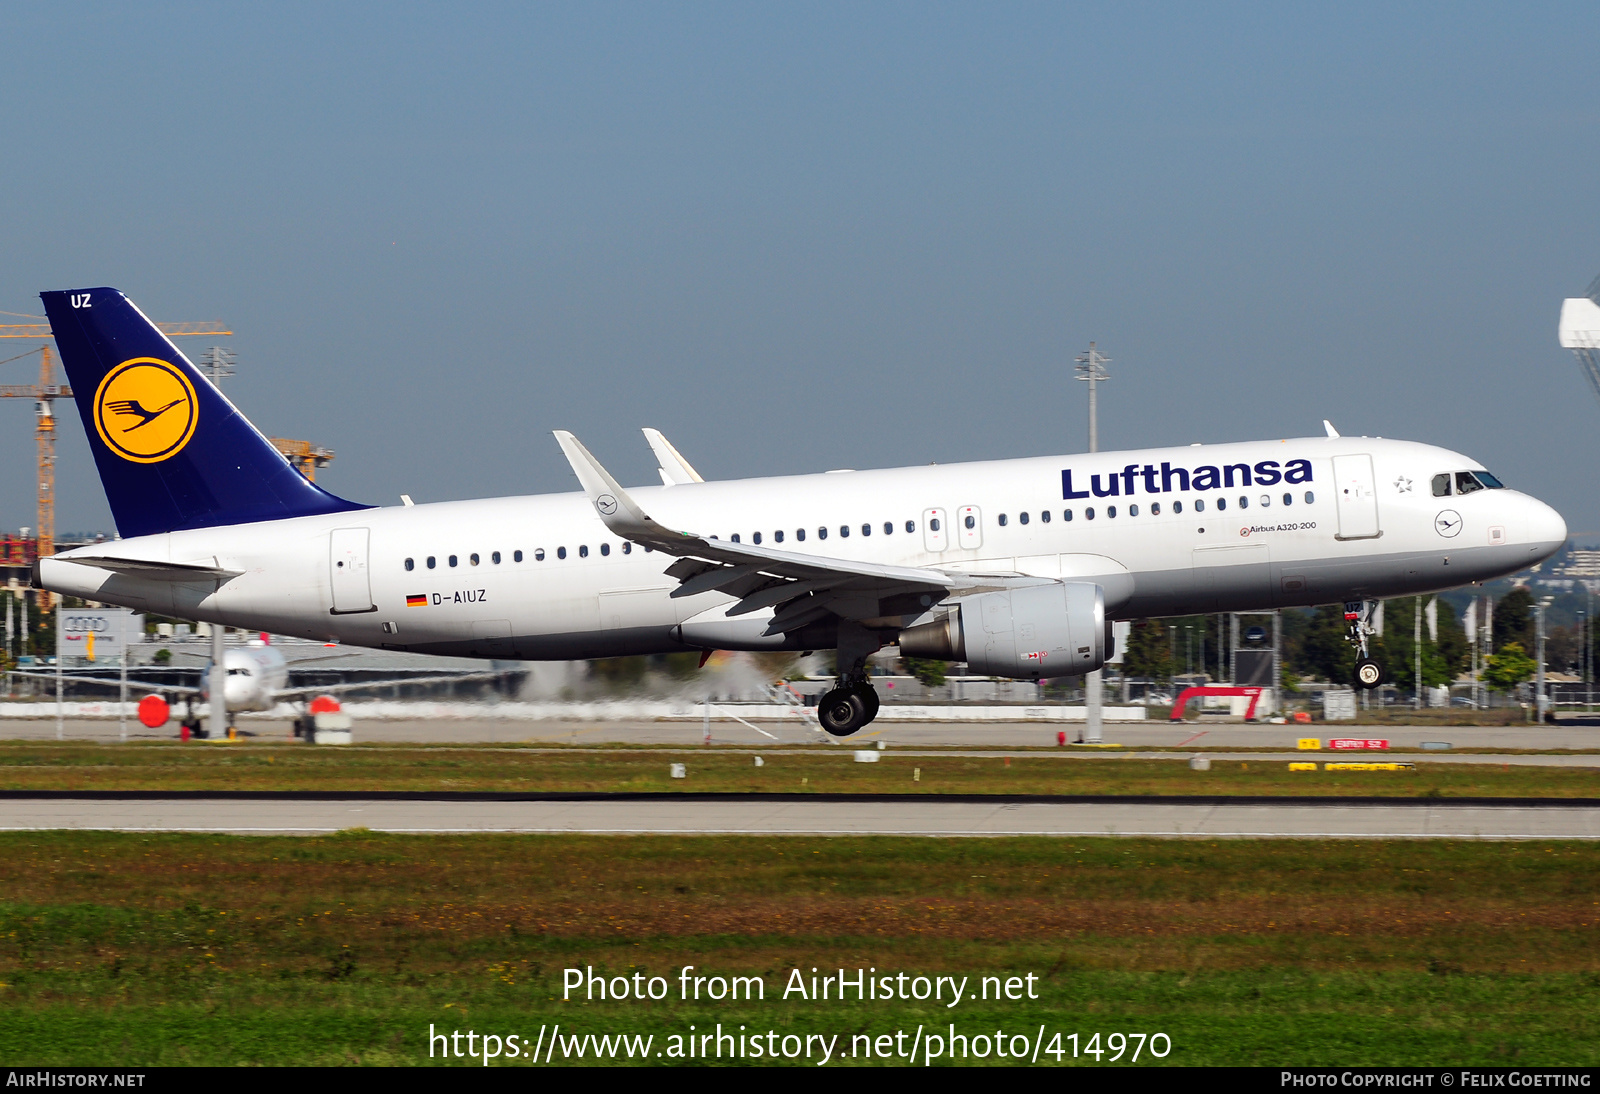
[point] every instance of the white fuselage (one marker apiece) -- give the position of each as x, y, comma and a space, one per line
1363, 523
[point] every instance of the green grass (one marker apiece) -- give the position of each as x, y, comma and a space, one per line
164, 949
254, 766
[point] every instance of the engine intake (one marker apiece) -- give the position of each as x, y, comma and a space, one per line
1059, 629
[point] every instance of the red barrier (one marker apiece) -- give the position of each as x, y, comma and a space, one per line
1186, 694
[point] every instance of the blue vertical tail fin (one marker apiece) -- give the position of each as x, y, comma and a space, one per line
172, 452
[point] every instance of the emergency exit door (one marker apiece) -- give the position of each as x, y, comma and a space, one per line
1356, 492
347, 571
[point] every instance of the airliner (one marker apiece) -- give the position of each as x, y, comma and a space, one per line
255, 677
1016, 567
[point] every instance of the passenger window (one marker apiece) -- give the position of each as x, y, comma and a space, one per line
1003, 521
1066, 514
1441, 486
627, 548
1222, 503
410, 565
888, 527
473, 558
1266, 500
1045, 516
822, 532
1288, 499
1022, 518
844, 531
1111, 511
933, 524
1133, 510
561, 552
605, 549
1155, 509
866, 529
800, 534
432, 562
1244, 503
1177, 507
495, 558
583, 550
452, 560
911, 526
734, 537
1466, 484
756, 539
1310, 497
972, 522
1199, 505
1088, 514
777, 537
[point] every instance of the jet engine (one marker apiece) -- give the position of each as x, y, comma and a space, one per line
1059, 629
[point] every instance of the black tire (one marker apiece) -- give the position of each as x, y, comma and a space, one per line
869, 700
842, 712
1370, 674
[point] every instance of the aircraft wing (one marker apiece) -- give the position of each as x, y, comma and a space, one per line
802, 587
181, 689
286, 693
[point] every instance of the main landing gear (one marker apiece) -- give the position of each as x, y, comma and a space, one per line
1369, 673
848, 707
853, 702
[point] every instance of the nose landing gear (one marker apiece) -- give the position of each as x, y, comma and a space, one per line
1369, 673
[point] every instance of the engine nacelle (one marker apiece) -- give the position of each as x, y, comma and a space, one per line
1038, 631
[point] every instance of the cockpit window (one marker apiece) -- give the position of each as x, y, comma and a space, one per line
1441, 486
1489, 480
1467, 483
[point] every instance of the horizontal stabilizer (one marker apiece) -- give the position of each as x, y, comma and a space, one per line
145, 568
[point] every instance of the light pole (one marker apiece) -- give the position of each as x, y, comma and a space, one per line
1091, 367
1541, 701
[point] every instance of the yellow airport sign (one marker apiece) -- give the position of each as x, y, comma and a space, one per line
1309, 744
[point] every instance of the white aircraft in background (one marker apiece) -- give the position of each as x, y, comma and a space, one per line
256, 679
1016, 567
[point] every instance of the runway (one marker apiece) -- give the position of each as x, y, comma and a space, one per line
996, 735
781, 815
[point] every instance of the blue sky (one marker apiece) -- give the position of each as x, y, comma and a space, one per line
814, 236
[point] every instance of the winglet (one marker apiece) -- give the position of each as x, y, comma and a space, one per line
1332, 432
620, 513
675, 470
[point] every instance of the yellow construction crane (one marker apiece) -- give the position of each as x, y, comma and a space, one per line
305, 456
44, 394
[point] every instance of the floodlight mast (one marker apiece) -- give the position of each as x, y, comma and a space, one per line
1579, 331
1091, 366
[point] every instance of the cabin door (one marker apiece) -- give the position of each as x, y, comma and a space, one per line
347, 569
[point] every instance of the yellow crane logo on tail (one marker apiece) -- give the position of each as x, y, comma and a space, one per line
145, 410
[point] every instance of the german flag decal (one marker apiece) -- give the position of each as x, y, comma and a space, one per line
417, 601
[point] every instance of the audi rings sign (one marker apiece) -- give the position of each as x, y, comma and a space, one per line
96, 635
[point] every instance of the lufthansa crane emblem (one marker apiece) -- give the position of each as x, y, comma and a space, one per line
1448, 523
606, 504
145, 410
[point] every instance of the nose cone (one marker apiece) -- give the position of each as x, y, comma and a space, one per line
1545, 531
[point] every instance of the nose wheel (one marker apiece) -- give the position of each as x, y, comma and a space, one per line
1369, 672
